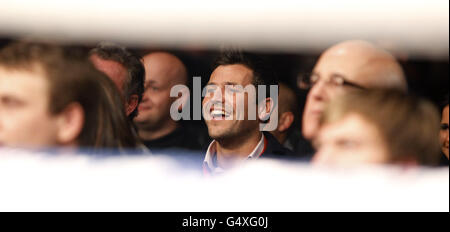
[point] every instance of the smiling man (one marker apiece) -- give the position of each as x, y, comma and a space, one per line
233, 121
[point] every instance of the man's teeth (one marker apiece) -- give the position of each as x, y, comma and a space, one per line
219, 113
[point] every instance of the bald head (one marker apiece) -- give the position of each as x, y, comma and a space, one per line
358, 62
365, 64
162, 72
165, 67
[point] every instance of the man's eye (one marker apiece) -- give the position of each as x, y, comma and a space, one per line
151, 87
233, 89
444, 126
210, 89
337, 81
313, 79
347, 144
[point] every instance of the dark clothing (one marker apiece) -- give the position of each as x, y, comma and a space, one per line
274, 149
443, 161
300, 146
180, 139
184, 145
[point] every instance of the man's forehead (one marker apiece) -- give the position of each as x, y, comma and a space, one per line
113, 69
109, 67
355, 61
164, 68
351, 124
23, 83
345, 63
161, 74
232, 74
352, 68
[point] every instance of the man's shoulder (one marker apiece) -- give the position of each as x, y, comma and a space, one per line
275, 149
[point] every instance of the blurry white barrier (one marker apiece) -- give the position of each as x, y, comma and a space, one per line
38, 182
412, 27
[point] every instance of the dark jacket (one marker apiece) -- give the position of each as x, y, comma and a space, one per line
182, 138
274, 149
443, 161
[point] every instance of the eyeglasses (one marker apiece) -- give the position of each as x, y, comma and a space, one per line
307, 81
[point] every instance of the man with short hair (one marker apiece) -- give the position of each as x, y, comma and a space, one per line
51, 98
345, 67
155, 125
125, 69
237, 139
287, 115
378, 127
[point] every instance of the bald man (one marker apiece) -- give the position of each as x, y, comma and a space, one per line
345, 67
155, 126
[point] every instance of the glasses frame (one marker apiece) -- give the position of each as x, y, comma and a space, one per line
304, 81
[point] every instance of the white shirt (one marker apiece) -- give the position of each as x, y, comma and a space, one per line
209, 164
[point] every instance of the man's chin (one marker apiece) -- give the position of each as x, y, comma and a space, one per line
219, 135
144, 116
148, 124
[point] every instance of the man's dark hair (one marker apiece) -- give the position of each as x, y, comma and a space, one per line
263, 74
132, 62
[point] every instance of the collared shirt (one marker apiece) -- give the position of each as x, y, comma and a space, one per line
210, 163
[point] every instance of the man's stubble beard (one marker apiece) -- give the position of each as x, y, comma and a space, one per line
233, 133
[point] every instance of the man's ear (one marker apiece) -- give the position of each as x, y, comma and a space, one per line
70, 123
265, 109
285, 121
132, 104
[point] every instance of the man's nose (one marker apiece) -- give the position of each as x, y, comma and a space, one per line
144, 98
218, 95
319, 91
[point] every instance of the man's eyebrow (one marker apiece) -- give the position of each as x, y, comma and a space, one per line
231, 83
12, 97
150, 82
224, 83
